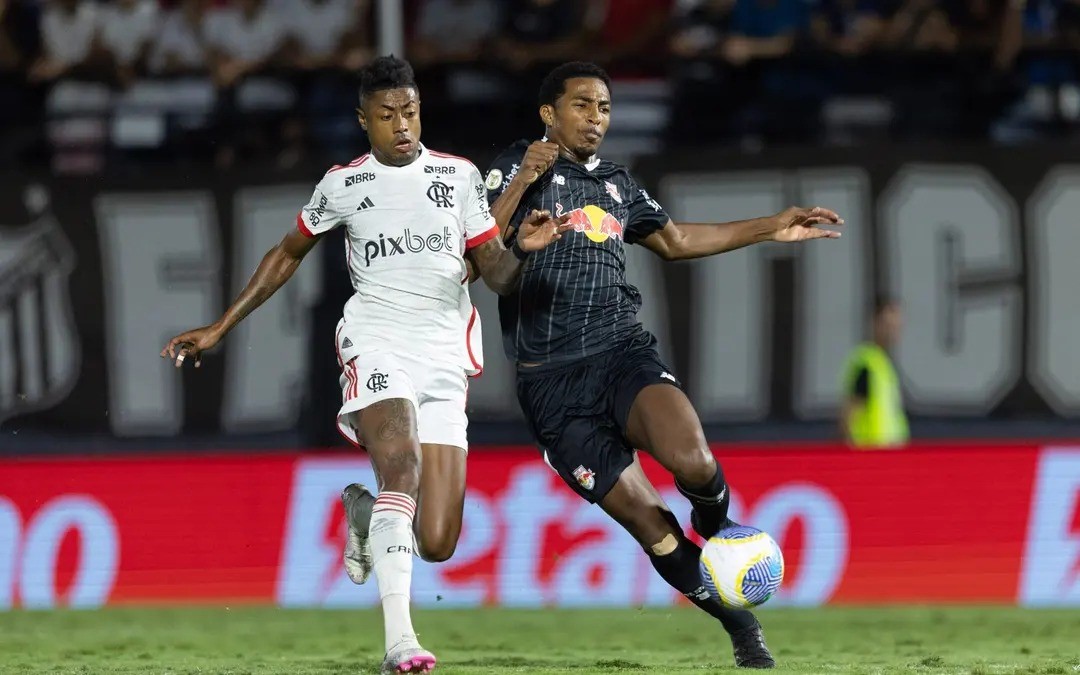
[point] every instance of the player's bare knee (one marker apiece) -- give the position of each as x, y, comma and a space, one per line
437, 539
440, 549
696, 466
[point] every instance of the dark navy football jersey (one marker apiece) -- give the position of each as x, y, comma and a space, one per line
574, 300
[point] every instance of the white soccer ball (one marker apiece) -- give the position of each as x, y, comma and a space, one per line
741, 566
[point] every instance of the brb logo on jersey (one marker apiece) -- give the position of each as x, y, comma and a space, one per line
358, 178
386, 247
596, 223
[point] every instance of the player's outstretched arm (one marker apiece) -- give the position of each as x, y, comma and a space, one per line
276, 268
684, 241
501, 267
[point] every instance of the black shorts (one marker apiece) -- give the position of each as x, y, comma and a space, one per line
578, 413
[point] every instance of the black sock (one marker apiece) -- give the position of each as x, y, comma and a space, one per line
710, 502
680, 568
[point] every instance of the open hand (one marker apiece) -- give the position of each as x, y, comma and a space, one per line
191, 344
801, 224
539, 229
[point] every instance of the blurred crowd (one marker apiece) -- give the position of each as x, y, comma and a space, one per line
89, 82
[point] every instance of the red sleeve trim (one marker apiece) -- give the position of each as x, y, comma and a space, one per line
300, 225
482, 238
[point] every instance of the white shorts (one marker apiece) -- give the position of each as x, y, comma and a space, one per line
437, 390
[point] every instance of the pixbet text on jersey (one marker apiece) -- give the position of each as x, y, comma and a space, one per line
407, 243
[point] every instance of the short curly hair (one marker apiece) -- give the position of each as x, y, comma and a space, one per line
554, 85
386, 72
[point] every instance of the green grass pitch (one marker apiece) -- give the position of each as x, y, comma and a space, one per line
979, 641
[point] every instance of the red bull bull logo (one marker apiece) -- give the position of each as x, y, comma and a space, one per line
596, 223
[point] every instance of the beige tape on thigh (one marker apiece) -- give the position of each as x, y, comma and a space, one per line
668, 544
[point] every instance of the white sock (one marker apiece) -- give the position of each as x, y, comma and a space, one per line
391, 538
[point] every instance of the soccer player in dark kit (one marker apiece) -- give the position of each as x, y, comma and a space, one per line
589, 379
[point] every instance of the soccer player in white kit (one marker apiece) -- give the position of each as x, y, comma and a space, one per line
416, 219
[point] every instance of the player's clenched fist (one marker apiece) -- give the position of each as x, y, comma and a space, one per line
537, 160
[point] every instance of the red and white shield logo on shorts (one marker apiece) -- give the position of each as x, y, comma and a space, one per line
585, 477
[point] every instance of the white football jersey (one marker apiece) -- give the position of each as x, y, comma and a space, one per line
407, 230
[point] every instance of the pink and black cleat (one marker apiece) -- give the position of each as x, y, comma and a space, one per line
408, 656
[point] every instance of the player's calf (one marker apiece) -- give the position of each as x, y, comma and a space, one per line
675, 558
442, 489
638, 507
